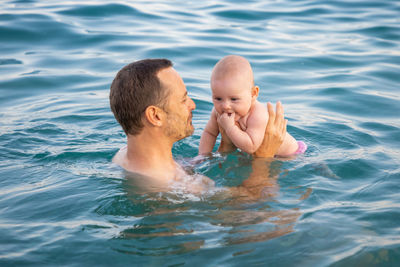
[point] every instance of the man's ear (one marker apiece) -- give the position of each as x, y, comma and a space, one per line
254, 91
154, 115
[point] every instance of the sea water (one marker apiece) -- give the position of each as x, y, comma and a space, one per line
335, 65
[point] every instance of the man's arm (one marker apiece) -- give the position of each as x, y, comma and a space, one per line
260, 177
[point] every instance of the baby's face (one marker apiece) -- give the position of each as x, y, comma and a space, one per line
232, 96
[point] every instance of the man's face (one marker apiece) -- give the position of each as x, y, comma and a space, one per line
179, 105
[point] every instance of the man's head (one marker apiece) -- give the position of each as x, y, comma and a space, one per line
135, 87
151, 92
232, 86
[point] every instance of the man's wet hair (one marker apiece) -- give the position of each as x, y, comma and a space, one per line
134, 88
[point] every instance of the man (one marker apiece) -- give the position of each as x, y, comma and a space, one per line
150, 101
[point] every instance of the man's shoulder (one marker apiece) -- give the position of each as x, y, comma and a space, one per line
120, 156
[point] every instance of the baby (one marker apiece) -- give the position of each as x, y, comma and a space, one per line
237, 111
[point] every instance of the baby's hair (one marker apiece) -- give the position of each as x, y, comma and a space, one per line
232, 66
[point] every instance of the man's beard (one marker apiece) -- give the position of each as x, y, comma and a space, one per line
183, 130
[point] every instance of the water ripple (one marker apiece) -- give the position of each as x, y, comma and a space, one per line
334, 65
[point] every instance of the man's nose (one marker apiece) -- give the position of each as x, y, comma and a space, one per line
192, 105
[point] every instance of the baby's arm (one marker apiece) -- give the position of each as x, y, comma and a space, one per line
249, 140
209, 135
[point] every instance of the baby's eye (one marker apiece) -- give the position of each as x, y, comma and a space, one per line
217, 98
234, 99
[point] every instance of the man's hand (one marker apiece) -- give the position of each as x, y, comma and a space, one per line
274, 133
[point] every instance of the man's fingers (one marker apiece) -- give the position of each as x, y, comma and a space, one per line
271, 113
279, 111
284, 127
276, 119
279, 118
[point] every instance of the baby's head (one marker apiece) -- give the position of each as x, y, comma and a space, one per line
232, 85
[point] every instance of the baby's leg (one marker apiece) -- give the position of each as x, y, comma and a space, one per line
288, 147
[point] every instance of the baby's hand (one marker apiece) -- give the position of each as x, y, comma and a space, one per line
226, 120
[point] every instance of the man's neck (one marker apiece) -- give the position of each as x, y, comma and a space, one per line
148, 153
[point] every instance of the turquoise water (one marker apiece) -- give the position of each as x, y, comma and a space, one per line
335, 65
